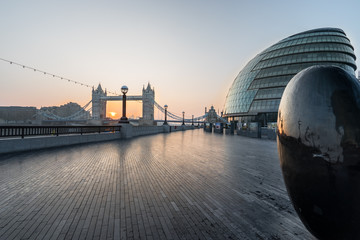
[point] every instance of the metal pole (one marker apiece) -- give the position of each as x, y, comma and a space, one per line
124, 119
124, 106
183, 122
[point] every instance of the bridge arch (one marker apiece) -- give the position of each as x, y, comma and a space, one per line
99, 99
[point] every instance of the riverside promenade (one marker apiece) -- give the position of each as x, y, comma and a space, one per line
183, 185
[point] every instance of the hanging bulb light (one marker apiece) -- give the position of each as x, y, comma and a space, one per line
46, 73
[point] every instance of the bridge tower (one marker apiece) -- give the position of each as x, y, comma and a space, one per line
98, 105
148, 99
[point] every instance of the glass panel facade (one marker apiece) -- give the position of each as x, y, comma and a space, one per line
316, 39
269, 93
239, 97
330, 32
313, 47
258, 88
294, 69
259, 106
307, 57
280, 81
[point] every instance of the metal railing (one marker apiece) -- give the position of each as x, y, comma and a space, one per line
24, 131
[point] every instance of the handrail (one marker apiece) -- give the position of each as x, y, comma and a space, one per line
24, 131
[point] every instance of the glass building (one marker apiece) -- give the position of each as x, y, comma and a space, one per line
255, 94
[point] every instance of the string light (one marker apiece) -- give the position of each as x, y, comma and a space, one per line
86, 85
54, 76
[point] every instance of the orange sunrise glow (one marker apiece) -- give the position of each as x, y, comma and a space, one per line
133, 109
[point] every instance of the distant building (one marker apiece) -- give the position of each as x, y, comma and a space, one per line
212, 117
255, 94
17, 115
32, 115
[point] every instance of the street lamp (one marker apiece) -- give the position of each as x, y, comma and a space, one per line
165, 122
124, 119
183, 123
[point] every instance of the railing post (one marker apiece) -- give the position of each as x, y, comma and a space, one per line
22, 132
99, 129
81, 130
57, 131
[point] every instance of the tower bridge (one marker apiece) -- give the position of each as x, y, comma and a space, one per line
99, 99
98, 109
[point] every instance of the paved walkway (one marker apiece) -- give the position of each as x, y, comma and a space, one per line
183, 185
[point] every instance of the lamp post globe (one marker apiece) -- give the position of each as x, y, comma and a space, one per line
165, 107
124, 119
124, 89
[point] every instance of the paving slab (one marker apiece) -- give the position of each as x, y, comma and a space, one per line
183, 185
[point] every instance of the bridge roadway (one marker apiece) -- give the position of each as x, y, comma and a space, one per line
183, 185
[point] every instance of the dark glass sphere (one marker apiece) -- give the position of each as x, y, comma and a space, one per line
319, 150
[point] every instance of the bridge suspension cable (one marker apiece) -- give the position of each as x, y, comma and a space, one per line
175, 117
82, 114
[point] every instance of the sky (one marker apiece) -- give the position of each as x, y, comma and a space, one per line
190, 51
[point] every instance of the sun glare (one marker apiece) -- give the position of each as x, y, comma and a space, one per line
112, 114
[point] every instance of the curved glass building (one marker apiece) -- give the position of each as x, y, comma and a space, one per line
256, 92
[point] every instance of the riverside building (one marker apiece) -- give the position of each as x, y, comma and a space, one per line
255, 94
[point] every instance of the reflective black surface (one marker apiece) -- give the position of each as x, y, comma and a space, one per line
318, 145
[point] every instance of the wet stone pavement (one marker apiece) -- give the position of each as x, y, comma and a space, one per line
182, 185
